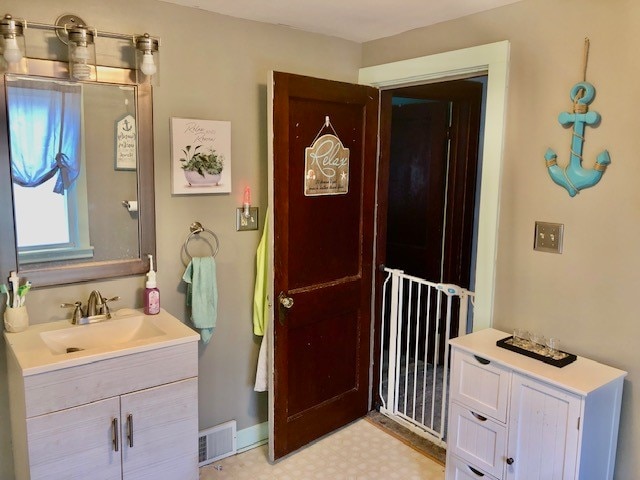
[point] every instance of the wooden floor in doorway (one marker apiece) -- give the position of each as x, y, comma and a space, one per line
415, 441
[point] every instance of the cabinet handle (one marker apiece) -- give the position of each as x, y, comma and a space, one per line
130, 429
479, 417
114, 436
481, 360
477, 472
510, 461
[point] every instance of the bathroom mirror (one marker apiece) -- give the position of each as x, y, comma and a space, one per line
77, 175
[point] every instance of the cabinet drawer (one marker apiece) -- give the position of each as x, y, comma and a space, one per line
480, 384
49, 392
458, 469
477, 439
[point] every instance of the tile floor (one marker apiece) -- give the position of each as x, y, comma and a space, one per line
360, 451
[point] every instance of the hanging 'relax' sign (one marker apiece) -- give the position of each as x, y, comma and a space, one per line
326, 166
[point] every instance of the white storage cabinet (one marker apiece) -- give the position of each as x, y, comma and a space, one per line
516, 418
130, 417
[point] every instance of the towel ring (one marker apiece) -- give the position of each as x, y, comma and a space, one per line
196, 228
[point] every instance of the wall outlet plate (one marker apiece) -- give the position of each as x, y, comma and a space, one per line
548, 237
244, 223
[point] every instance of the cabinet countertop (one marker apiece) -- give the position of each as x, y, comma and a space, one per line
580, 377
33, 357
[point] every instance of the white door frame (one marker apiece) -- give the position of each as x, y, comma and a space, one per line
492, 59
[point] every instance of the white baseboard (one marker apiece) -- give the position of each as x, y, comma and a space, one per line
252, 437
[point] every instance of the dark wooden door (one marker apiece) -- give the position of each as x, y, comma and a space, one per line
417, 193
433, 164
323, 257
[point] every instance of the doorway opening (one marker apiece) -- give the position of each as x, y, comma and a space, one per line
429, 190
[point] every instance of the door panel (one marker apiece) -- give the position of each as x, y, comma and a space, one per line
163, 422
544, 436
76, 443
323, 254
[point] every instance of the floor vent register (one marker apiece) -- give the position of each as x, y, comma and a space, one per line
217, 442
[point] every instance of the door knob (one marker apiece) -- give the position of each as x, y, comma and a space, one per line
286, 302
510, 461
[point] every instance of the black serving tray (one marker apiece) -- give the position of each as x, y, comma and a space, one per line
566, 359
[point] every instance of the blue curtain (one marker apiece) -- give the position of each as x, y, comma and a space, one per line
45, 129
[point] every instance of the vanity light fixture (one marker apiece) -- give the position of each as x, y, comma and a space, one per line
82, 53
80, 39
147, 58
12, 44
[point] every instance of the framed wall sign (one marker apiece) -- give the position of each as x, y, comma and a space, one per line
126, 143
200, 156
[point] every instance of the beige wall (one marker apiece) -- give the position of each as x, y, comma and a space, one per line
213, 67
586, 296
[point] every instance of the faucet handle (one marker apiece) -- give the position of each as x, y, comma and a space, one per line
105, 305
77, 314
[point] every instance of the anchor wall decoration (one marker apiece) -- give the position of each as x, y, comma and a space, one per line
574, 177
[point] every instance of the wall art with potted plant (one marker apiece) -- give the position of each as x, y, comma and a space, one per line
200, 156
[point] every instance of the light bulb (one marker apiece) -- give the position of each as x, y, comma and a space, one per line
81, 53
246, 202
147, 66
80, 69
12, 53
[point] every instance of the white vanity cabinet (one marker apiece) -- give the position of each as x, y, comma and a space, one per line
516, 418
129, 416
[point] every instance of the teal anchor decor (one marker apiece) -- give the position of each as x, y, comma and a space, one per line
574, 177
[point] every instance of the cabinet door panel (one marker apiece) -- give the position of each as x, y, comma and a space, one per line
76, 443
165, 432
543, 436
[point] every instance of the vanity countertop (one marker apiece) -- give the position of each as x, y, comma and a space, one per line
41, 348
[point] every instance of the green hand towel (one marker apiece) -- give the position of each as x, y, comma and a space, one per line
260, 300
202, 294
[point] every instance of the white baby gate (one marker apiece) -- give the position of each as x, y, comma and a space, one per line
414, 359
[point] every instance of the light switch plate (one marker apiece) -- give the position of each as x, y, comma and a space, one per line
246, 223
548, 237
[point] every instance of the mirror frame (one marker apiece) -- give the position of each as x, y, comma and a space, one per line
87, 271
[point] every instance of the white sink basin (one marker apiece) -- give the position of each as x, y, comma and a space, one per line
57, 345
97, 335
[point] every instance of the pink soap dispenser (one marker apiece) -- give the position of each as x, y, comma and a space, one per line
151, 292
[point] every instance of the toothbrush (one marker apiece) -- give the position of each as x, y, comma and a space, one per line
22, 293
5, 290
15, 282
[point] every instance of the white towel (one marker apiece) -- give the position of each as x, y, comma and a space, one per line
262, 380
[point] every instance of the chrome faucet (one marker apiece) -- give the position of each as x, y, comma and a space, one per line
96, 305
97, 309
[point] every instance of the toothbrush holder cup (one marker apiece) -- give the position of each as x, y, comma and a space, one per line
16, 319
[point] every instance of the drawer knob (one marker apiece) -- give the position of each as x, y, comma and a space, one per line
510, 461
481, 360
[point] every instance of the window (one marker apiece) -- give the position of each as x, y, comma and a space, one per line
48, 184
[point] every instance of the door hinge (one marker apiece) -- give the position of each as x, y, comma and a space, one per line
578, 423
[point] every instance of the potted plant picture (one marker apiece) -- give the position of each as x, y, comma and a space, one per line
201, 168
201, 155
